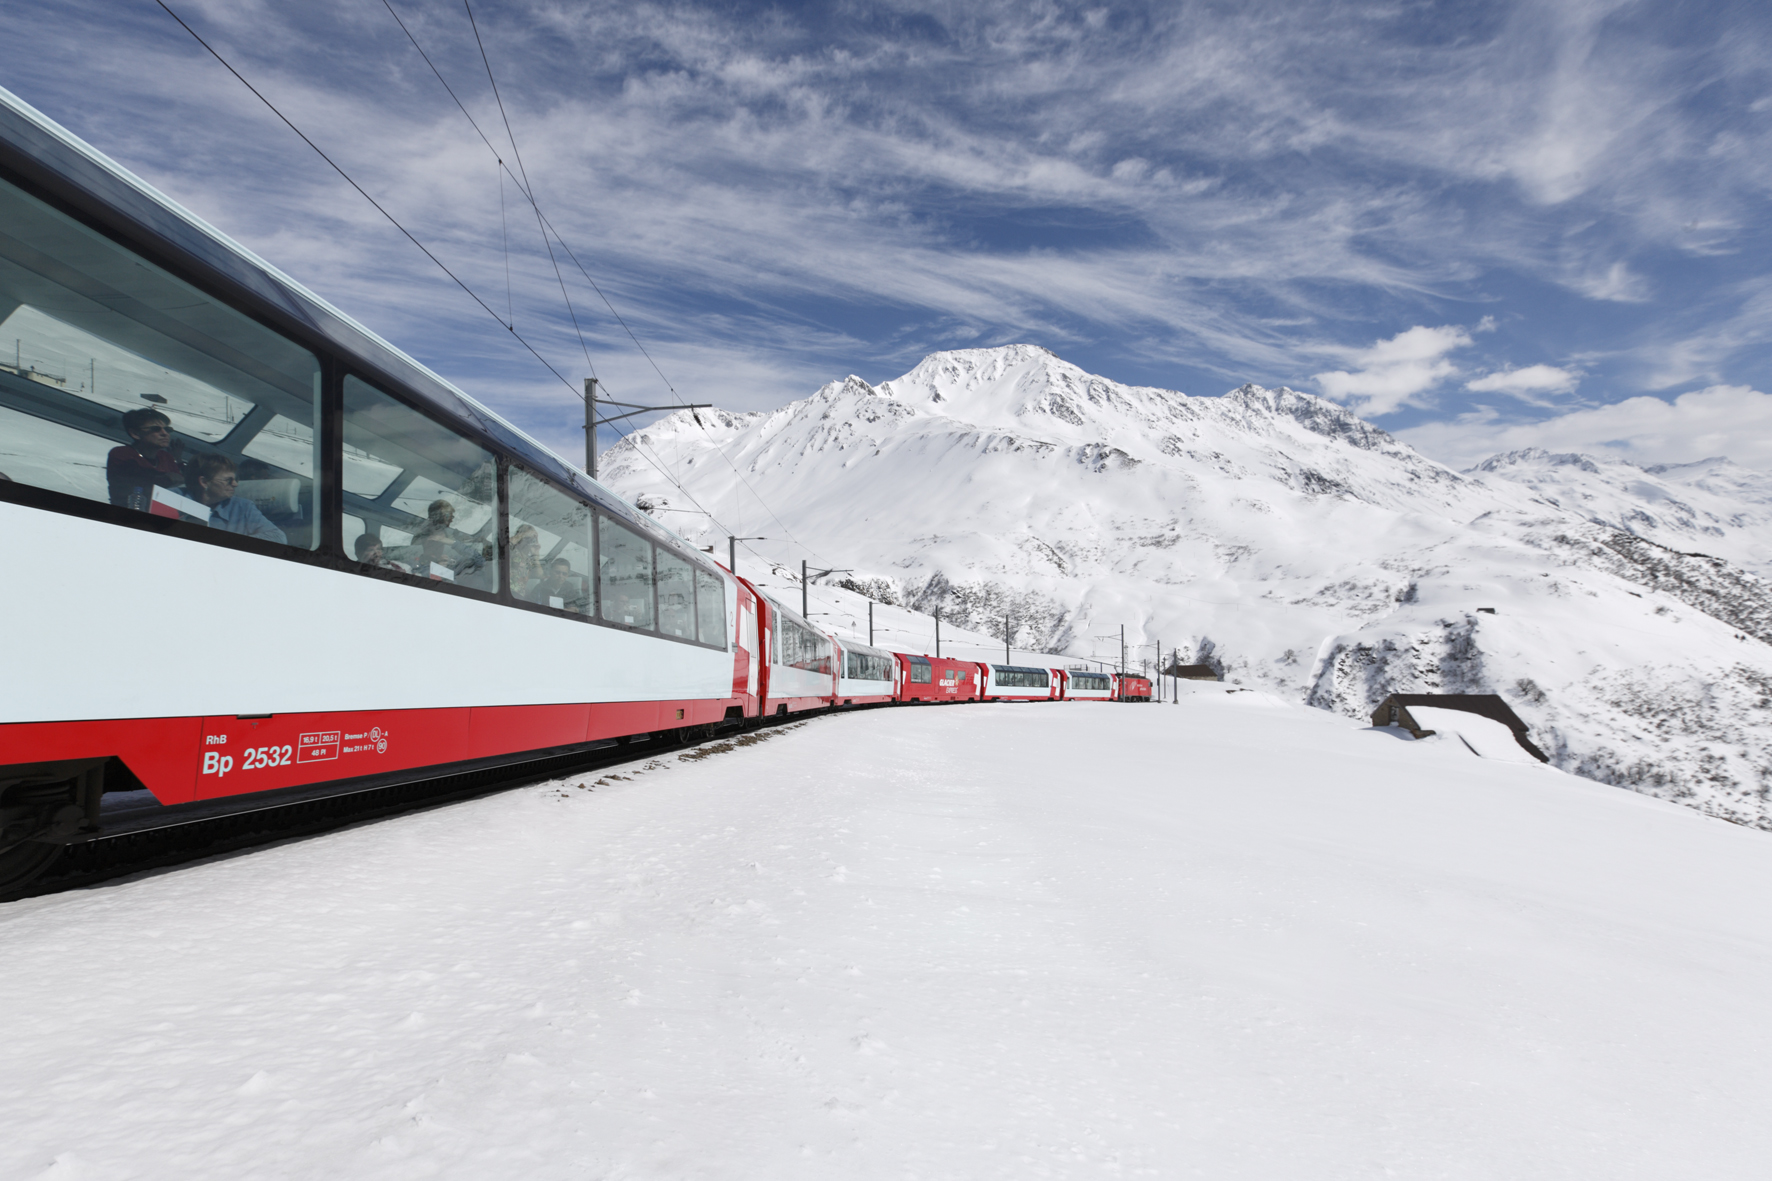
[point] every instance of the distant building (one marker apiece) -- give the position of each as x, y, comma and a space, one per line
1394, 711
1193, 672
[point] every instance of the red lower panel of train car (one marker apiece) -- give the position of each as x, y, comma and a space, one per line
937, 679
1128, 688
205, 758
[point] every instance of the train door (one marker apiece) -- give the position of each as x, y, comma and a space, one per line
748, 655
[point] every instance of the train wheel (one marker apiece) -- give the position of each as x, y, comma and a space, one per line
29, 812
23, 864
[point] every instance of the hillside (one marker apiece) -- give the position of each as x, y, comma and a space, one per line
1278, 537
985, 941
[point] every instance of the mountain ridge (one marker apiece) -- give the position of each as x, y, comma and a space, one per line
1279, 537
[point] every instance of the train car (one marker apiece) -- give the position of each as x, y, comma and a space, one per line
1130, 688
259, 554
1088, 686
1014, 682
925, 679
865, 676
802, 671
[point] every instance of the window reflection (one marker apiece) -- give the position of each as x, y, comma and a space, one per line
710, 609
122, 384
550, 545
624, 574
676, 596
435, 516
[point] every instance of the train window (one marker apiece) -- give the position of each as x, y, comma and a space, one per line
865, 666
676, 596
624, 574
920, 672
1088, 682
129, 386
1010, 677
429, 496
801, 647
710, 609
550, 545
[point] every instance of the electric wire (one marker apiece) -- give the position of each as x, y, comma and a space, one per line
396, 223
360, 189
527, 189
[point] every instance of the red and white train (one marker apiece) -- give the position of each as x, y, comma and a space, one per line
257, 554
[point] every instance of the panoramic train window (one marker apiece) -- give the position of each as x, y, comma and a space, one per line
624, 574
550, 545
128, 386
864, 666
676, 596
801, 647
1089, 682
920, 673
1010, 677
419, 498
710, 609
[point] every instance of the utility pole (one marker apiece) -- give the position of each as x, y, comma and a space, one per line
591, 427
804, 580
592, 422
1122, 649
938, 632
870, 623
1006, 659
732, 550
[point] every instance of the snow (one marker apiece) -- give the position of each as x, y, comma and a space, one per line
1275, 536
1231, 937
1484, 737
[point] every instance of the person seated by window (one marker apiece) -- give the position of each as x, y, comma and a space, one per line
150, 458
526, 568
374, 557
433, 547
213, 482
561, 583
439, 514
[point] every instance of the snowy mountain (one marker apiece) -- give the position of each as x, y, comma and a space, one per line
1714, 506
1281, 539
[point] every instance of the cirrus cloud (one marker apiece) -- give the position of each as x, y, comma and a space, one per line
1731, 420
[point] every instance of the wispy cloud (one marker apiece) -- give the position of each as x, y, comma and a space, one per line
1393, 373
1185, 195
1527, 382
1735, 421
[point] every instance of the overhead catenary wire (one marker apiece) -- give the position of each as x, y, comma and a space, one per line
396, 223
529, 189
521, 178
361, 190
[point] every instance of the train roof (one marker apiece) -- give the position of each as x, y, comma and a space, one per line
48, 154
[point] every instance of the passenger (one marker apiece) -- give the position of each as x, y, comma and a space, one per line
561, 583
440, 514
374, 557
526, 568
434, 549
150, 459
213, 482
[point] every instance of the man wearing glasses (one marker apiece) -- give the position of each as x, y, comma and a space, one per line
149, 459
213, 483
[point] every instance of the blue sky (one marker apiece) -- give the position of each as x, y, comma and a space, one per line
1480, 225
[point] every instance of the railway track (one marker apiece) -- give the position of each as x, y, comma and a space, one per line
197, 837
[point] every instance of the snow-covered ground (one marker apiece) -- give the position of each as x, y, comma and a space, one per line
1227, 938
